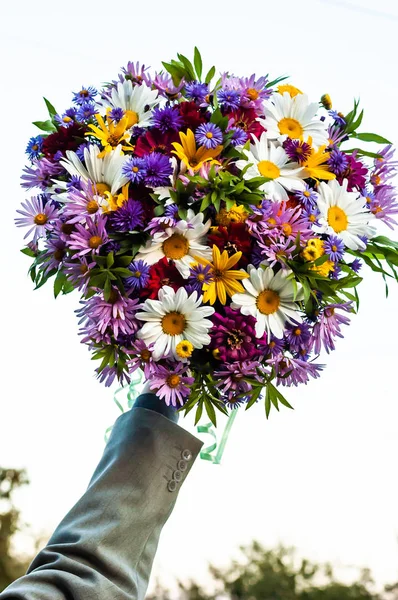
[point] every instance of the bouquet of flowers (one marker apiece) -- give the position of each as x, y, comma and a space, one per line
214, 227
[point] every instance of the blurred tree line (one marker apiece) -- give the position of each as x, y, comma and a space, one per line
260, 573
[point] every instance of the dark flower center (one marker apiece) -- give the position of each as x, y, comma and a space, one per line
235, 339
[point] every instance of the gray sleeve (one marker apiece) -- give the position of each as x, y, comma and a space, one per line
105, 546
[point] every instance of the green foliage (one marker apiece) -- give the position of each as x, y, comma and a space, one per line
381, 254
184, 69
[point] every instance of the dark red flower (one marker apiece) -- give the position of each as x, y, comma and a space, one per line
192, 115
162, 273
155, 141
234, 238
356, 173
66, 138
245, 118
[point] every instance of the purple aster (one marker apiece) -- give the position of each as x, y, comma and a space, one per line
239, 136
171, 383
208, 135
233, 336
86, 94
169, 219
384, 204
257, 256
84, 203
278, 250
109, 373
257, 220
199, 275
308, 197
296, 150
158, 170
140, 275
89, 237
196, 91
336, 135
334, 248
163, 82
328, 324
229, 99
80, 150
75, 183
338, 118
384, 166
112, 316
298, 336
55, 252
336, 272
141, 357
128, 217
337, 161
67, 118
116, 114
167, 119
293, 371
274, 347
135, 169
231, 383
356, 265
136, 73
252, 92
38, 216
77, 271
40, 174
33, 148
288, 222
86, 111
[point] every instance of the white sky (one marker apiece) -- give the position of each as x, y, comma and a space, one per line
323, 477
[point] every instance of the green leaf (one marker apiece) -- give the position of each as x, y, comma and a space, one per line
109, 260
28, 252
188, 66
197, 61
45, 126
51, 110
361, 152
210, 74
211, 413
277, 80
59, 283
371, 137
353, 126
199, 411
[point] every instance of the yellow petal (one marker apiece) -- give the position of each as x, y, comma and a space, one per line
222, 296
235, 258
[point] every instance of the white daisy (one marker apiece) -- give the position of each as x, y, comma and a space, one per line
137, 101
270, 299
271, 161
343, 214
180, 244
294, 117
172, 318
105, 172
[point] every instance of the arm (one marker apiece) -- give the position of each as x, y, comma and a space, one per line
105, 546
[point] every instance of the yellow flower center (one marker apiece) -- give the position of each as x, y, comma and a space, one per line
307, 194
293, 91
297, 331
184, 349
209, 135
137, 274
287, 228
312, 218
83, 269
291, 128
40, 219
101, 188
173, 380
200, 277
252, 93
337, 219
175, 247
95, 241
268, 302
66, 119
173, 323
92, 207
59, 254
268, 169
135, 169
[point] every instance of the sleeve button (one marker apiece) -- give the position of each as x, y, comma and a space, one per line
186, 454
177, 476
172, 485
182, 465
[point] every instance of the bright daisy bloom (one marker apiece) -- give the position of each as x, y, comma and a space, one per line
173, 318
294, 117
270, 298
225, 279
136, 101
109, 134
38, 216
342, 213
105, 172
171, 383
271, 161
190, 155
182, 244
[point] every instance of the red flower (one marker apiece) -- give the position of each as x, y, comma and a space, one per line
162, 273
355, 173
191, 114
245, 118
66, 138
155, 141
234, 238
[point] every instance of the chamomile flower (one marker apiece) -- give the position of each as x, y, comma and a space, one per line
174, 318
342, 214
271, 161
270, 298
294, 117
137, 102
181, 244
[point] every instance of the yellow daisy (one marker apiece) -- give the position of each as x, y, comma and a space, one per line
315, 166
109, 134
191, 156
225, 279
